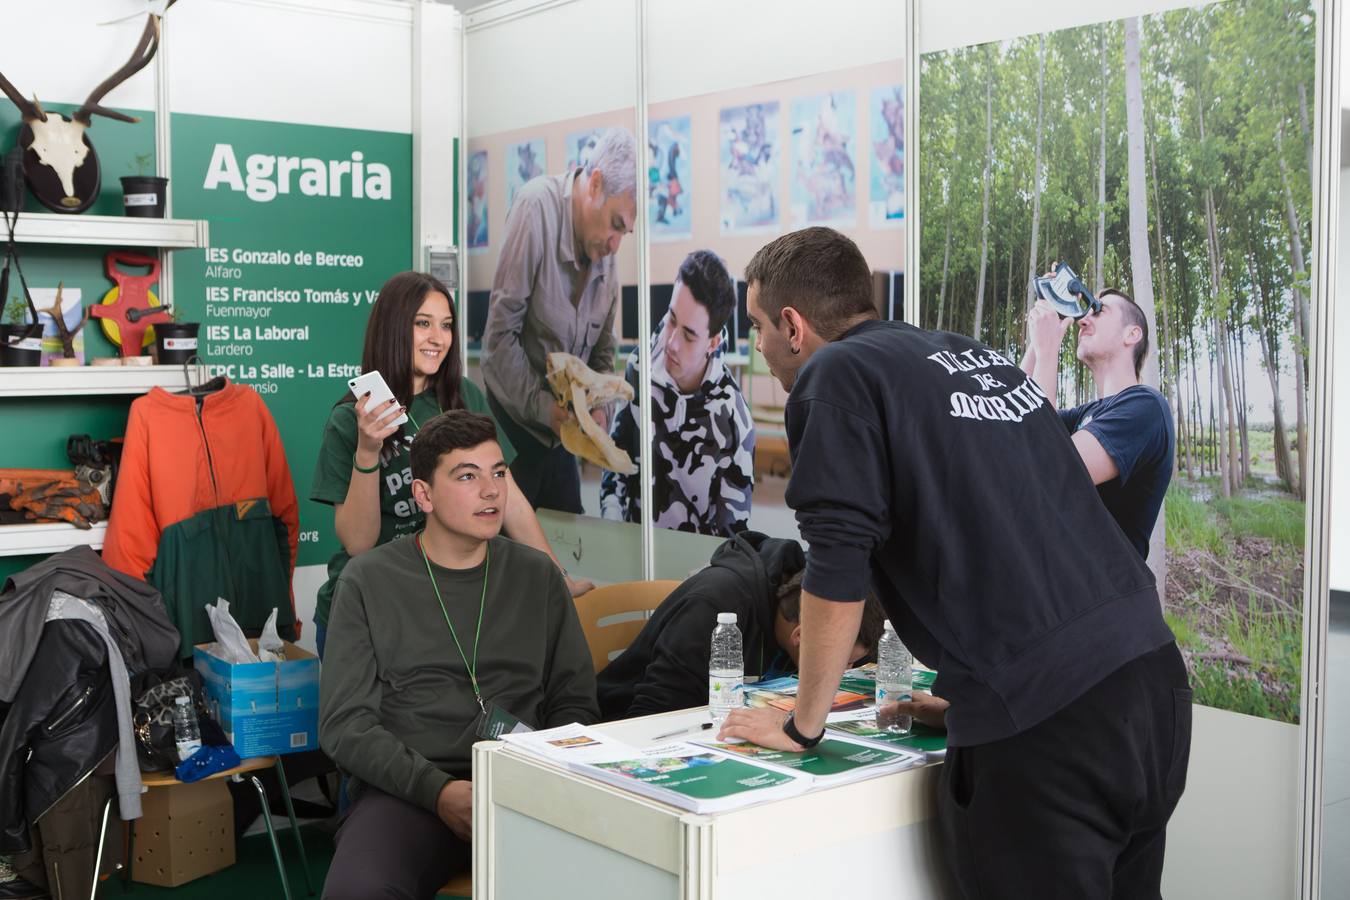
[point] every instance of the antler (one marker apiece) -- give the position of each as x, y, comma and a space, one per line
28, 109
140, 57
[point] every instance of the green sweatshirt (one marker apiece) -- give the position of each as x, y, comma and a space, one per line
396, 707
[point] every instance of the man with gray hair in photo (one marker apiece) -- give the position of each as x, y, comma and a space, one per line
556, 288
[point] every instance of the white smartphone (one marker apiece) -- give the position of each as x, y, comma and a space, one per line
373, 383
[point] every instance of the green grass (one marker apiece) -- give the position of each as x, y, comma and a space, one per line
1187, 637
1215, 617
1273, 639
1278, 518
1272, 642
1190, 523
1245, 694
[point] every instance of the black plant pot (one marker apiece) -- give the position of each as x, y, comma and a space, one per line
143, 195
175, 342
27, 352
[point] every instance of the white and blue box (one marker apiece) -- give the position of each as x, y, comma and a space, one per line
265, 707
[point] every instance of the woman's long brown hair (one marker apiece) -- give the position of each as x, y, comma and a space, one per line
389, 346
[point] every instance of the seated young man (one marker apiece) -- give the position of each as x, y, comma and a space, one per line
756, 577
425, 635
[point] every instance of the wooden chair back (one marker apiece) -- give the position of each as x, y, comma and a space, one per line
611, 616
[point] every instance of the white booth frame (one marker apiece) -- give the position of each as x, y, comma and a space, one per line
933, 25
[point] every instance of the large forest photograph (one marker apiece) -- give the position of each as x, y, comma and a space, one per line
1169, 156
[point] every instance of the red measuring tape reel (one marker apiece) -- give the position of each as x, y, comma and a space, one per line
129, 309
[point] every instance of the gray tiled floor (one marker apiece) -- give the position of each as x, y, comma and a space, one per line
1336, 761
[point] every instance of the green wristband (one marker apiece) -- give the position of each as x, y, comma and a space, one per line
363, 471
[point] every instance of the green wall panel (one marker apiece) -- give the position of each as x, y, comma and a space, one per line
333, 251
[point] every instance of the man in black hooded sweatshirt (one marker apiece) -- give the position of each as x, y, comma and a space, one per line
756, 577
929, 468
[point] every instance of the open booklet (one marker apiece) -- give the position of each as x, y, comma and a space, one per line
781, 693
832, 761
710, 776
861, 725
681, 774
863, 679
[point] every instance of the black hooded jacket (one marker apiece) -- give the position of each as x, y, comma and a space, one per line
62, 724
666, 666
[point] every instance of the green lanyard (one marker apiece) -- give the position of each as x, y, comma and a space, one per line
472, 667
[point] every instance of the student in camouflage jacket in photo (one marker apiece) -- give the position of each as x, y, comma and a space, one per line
702, 430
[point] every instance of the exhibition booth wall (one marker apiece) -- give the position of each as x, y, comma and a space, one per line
301, 160
299, 245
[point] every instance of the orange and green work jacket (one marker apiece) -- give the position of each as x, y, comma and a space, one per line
204, 508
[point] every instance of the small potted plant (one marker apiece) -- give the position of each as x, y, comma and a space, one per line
20, 336
142, 194
175, 342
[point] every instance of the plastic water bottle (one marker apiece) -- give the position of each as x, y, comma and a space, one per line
726, 669
895, 681
186, 734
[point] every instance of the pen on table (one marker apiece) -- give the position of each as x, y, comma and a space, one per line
662, 737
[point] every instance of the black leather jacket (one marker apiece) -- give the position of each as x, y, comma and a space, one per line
61, 725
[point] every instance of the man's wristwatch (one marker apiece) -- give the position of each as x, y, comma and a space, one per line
790, 729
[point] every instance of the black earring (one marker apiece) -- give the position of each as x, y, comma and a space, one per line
796, 350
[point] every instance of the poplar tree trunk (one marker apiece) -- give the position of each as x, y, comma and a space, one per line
1230, 401
946, 257
1300, 311
1225, 403
1032, 270
1270, 361
1304, 131
1099, 277
988, 169
1171, 379
1141, 266
1008, 303
1243, 470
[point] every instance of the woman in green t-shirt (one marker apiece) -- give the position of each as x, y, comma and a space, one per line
363, 468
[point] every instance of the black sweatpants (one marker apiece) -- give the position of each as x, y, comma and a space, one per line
548, 477
1076, 806
389, 848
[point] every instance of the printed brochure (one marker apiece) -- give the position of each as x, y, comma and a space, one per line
832, 761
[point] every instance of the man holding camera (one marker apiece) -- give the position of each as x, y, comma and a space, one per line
1126, 437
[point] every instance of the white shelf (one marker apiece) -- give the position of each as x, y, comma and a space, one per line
74, 381
23, 540
112, 231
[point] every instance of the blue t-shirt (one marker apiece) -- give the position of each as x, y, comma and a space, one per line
1135, 429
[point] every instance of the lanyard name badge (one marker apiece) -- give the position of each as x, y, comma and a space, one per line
492, 720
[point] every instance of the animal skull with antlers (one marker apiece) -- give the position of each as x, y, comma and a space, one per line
59, 161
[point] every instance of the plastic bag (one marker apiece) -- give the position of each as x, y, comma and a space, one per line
231, 645
270, 646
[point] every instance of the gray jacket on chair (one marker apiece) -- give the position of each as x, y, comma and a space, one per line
128, 769
134, 610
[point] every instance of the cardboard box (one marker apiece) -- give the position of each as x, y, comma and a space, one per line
185, 831
265, 708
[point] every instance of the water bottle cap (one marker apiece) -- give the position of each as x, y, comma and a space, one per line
182, 700
726, 618
890, 627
